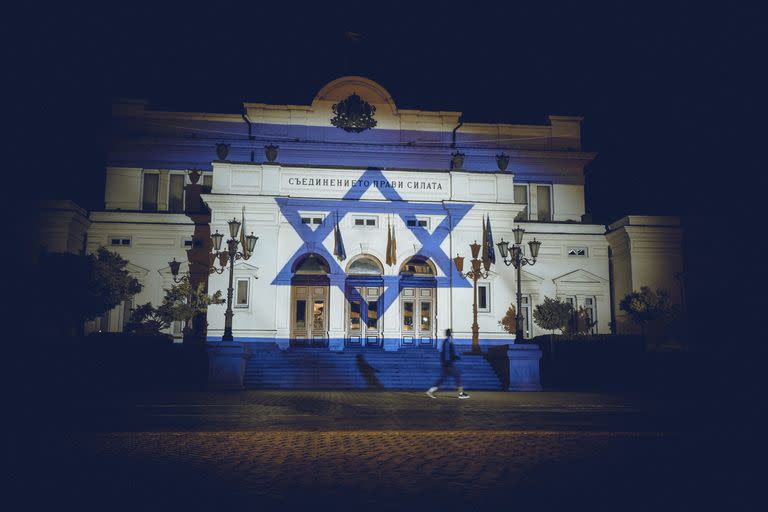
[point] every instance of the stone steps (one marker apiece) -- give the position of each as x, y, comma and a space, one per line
317, 368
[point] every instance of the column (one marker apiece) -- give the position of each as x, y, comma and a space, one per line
162, 195
392, 313
336, 313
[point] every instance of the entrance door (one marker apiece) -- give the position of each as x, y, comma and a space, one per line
309, 315
364, 323
418, 317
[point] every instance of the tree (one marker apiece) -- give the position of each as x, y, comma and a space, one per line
181, 303
646, 307
509, 322
581, 322
82, 287
553, 314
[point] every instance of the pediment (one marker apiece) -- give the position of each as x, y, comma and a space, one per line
244, 265
579, 276
531, 278
136, 271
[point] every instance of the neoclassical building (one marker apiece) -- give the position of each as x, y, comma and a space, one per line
351, 168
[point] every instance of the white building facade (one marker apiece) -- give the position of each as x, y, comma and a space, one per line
352, 167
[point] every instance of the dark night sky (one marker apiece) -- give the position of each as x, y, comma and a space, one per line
664, 90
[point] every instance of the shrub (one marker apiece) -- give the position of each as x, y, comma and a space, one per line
553, 314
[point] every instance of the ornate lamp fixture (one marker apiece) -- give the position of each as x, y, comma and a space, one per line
514, 256
353, 114
231, 255
475, 275
502, 161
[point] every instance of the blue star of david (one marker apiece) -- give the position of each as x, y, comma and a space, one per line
312, 240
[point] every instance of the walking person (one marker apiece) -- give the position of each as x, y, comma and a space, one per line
447, 367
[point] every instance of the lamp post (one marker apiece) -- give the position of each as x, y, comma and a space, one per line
230, 255
475, 274
514, 256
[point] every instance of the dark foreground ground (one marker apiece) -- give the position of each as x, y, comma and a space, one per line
277, 450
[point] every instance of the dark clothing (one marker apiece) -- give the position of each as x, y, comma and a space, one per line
448, 353
449, 371
447, 358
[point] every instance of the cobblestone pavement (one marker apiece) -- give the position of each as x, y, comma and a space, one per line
377, 451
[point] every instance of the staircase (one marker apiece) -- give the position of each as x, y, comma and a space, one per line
375, 369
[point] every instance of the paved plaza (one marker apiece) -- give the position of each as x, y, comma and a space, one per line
277, 450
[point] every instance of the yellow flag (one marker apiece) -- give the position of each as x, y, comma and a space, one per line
246, 254
394, 246
389, 245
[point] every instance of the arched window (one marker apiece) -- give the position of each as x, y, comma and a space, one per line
365, 266
311, 264
418, 266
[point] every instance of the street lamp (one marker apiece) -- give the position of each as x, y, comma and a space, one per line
514, 256
231, 255
475, 274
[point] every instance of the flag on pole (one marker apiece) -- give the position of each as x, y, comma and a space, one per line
246, 254
489, 241
338, 243
394, 246
389, 244
484, 250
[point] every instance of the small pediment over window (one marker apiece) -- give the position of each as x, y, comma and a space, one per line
579, 276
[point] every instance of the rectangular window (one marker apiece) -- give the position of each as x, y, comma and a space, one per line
188, 242
242, 293
589, 309
521, 197
149, 197
577, 252
421, 223
525, 312
120, 241
483, 297
354, 315
176, 193
543, 202
207, 183
373, 315
407, 315
318, 318
366, 222
426, 316
301, 314
127, 309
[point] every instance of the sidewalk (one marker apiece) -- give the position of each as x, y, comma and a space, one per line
378, 451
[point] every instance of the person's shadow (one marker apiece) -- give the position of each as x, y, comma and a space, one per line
369, 373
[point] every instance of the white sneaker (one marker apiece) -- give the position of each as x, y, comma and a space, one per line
431, 392
463, 395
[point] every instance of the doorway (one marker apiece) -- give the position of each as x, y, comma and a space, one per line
309, 302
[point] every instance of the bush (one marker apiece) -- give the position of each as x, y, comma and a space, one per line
553, 314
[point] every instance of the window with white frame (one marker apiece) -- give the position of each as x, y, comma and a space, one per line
484, 297
525, 312
150, 189
578, 252
589, 306
543, 202
176, 193
365, 222
589, 309
417, 222
314, 220
207, 183
242, 298
120, 241
187, 243
521, 197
